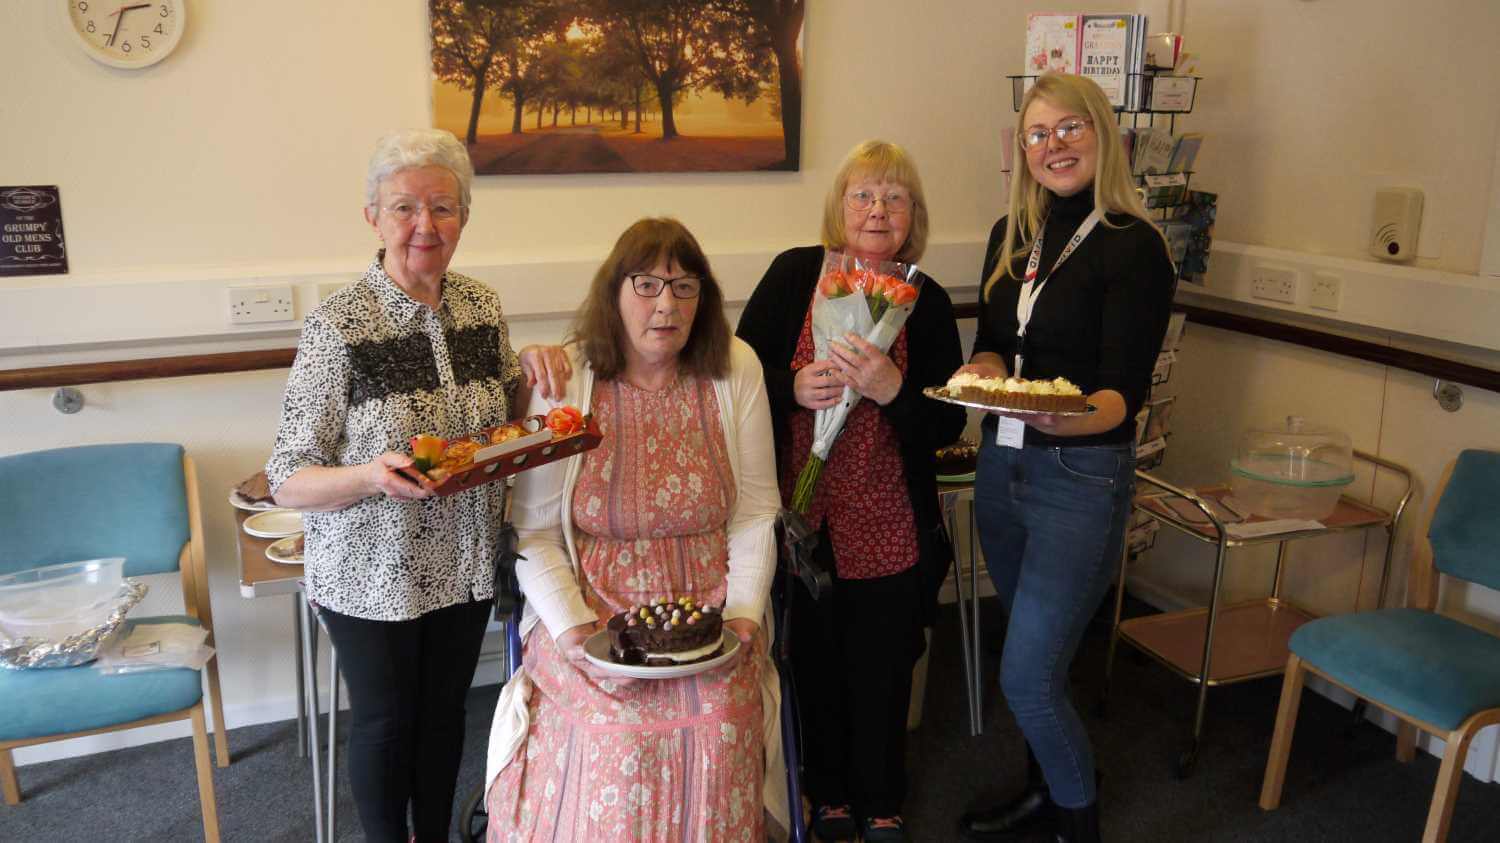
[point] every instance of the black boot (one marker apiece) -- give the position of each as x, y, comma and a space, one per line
1078, 825
1032, 809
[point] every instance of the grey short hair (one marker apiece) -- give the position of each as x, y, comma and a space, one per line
407, 148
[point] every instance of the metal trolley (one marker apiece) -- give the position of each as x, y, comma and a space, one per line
1223, 644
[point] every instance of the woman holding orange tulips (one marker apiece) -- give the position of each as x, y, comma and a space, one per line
875, 503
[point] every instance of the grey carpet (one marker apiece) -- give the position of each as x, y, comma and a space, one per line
1342, 785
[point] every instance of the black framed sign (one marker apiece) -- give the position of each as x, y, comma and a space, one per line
31, 232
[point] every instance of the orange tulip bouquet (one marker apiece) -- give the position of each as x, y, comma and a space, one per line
871, 299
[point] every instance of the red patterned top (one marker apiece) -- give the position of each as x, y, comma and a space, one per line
862, 493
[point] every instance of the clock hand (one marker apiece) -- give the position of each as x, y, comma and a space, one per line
119, 16
118, 20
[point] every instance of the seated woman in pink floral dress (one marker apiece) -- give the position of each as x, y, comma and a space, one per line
679, 500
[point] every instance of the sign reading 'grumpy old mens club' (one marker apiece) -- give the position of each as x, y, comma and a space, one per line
31, 232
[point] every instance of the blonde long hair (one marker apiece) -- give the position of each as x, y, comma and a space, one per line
1114, 189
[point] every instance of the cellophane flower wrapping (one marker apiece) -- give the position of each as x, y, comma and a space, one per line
871, 299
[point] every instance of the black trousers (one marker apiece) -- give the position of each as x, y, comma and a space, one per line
407, 684
852, 658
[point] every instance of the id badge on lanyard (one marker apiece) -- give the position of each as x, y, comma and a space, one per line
1011, 433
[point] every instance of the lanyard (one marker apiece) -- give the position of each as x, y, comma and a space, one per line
1031, 291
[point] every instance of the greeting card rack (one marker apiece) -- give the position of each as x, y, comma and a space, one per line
1161, 93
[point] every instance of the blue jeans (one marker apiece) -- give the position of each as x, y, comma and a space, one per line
1051, 524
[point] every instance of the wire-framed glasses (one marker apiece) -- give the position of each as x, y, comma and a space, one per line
895, 201
406, 210
1068, 131
649, 286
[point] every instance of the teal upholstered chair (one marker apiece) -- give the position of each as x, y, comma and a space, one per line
1433, 672
139, 501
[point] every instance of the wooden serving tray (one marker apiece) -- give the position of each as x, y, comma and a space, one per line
496, 462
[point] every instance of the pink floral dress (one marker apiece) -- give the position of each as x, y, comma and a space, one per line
650, 760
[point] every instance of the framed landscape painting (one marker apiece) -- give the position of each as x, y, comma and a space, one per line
605, 86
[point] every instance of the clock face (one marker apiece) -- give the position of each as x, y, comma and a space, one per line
121, 33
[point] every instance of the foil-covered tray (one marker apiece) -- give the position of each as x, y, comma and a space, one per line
28, 653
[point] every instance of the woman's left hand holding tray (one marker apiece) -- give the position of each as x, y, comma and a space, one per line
397, 476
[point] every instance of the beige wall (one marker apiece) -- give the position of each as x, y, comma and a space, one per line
242, 156
1310, 105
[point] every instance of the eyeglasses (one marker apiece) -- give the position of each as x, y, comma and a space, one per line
406, 210
864, 200
1067, 131
649, 286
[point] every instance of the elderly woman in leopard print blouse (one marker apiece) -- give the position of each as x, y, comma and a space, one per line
403, 579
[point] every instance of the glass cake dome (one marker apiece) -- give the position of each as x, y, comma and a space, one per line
1293, 470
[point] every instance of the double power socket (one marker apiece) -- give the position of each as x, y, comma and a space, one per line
1282, 284
273, 303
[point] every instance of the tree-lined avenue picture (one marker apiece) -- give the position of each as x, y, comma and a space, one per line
592, 86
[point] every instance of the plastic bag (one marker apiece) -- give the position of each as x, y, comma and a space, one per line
156, 646
72, 650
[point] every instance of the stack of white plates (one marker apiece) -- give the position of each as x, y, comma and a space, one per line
274, 523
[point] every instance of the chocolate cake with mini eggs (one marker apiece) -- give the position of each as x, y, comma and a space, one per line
666, 632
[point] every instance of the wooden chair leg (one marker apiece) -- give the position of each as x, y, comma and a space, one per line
1281, 739
1450, 774
206, 799
1406, 741
221, 729
8, 783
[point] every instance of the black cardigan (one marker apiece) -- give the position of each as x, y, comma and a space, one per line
772, 322
1099, 322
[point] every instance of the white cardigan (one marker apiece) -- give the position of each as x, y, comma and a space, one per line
548, 573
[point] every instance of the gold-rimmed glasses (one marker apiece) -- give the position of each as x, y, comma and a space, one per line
895, 201
406, 210
1070, 130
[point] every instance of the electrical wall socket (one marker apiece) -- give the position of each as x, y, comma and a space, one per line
1326, 292
260, 304
1274, 283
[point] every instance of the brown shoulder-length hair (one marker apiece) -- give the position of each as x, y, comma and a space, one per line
598, 329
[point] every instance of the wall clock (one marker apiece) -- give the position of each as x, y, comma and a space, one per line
127, 34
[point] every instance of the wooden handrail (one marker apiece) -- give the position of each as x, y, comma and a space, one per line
78, 374
1399, 358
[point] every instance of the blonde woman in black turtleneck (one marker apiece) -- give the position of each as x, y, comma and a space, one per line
1077, 284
